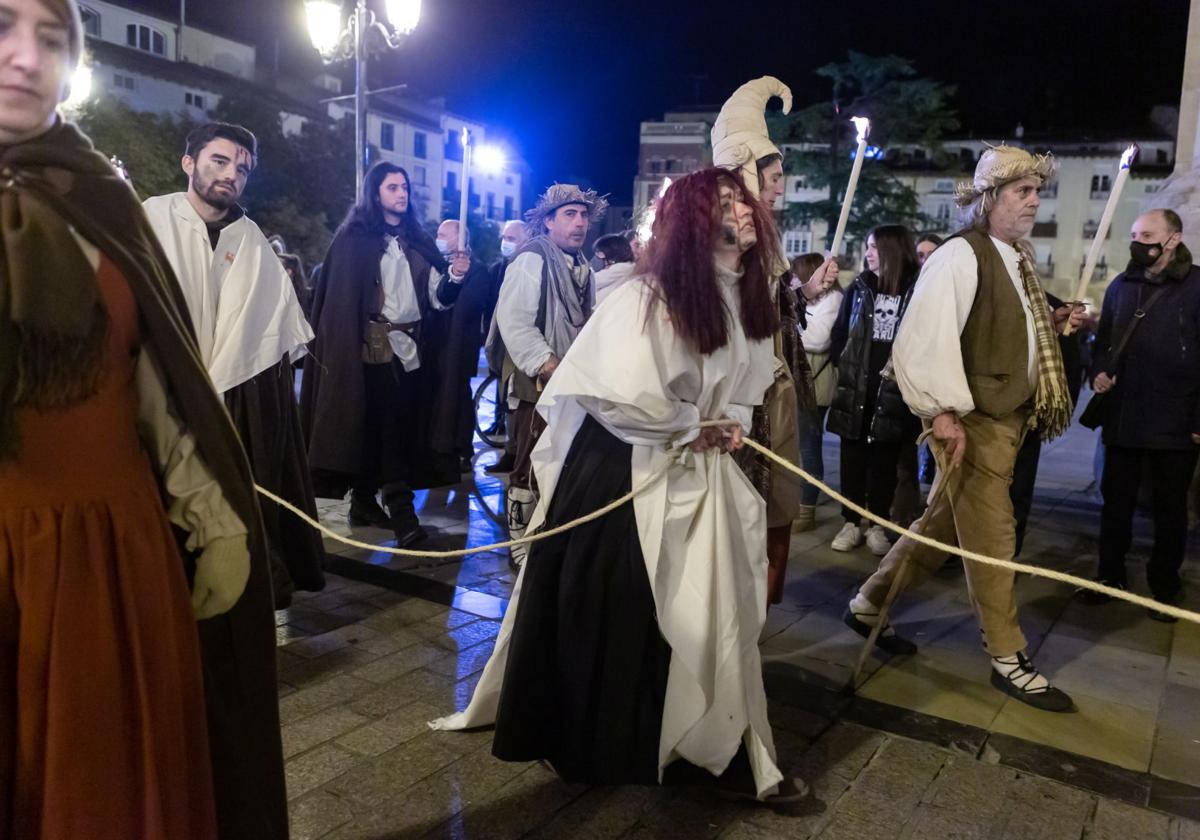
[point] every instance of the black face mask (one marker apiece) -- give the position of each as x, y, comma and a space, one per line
1145, 254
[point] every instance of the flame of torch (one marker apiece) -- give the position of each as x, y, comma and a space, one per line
863, 126
647, 226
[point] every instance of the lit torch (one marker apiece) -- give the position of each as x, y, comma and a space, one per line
466, 186
863, 126
1093, 255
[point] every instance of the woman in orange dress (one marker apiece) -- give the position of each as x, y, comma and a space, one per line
110, 436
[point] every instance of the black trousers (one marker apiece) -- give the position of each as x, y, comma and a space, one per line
1170, 475
869, 476
388, 437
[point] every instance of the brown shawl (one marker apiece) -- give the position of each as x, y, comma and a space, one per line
59, 178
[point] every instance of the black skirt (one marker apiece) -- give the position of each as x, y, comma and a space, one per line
587, 666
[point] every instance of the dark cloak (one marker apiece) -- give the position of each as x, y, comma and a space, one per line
333, 392
264, 412
459, 336
237, 648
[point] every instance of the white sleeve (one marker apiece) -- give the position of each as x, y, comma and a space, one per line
927, 355
435, 280
195, 501
516, 314
817, 336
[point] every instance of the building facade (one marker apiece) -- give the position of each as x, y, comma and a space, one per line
157, 65
1072, 203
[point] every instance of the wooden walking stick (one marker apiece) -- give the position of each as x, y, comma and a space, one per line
901, 579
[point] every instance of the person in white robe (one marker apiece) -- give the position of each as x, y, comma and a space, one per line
250, 330
678, 578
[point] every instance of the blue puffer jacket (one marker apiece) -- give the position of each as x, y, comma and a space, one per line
1156, 401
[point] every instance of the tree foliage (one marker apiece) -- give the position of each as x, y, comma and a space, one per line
903, 107
149, 145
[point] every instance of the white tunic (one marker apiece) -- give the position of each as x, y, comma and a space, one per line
400, 304
927, 355
241, 301
702, 530
608, 279
516, 314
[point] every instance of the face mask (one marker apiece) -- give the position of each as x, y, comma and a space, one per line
1145, 254
508, 248
444, 247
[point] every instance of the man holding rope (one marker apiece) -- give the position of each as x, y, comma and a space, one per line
978, 360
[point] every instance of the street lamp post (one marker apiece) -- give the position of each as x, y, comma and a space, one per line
362, 35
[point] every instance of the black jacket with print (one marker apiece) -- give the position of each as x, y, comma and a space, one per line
860, 388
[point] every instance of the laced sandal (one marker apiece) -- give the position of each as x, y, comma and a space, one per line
887, 640
1025, 683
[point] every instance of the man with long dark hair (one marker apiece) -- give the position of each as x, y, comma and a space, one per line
631, 645
367, 394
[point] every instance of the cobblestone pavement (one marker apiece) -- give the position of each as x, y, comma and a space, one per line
362, 669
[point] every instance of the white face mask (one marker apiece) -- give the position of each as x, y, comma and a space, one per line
508, 248
444, 247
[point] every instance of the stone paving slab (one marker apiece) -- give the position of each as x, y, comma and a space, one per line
369, 665
362, 763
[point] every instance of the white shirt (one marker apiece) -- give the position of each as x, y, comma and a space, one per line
516, 314
821, 315
927, 355
400, 300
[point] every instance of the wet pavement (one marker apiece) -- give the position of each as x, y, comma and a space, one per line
926, 749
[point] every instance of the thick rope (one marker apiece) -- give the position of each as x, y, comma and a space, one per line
1011, 565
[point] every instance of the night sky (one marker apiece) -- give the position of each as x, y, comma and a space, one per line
568, 82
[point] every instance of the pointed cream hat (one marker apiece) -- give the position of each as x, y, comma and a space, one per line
739, 136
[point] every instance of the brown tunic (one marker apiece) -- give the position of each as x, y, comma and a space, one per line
105, 733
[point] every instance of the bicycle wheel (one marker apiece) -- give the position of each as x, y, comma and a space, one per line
489, 431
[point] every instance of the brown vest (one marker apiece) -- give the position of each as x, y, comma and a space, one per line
995, 344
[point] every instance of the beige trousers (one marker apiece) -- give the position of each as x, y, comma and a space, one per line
970, 508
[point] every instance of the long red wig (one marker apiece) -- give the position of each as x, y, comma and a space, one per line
687, 228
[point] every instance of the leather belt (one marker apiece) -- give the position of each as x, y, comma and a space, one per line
408, 329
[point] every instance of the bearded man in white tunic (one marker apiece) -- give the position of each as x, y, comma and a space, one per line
629, 652
250, 330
